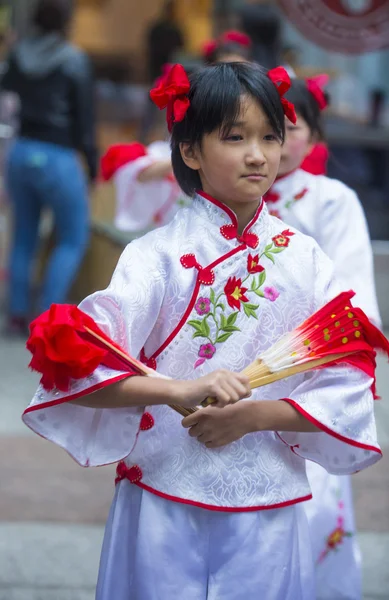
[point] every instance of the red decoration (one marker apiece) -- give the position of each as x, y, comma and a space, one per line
282, 240
206, 275
208, 49
301, 194
281, 80
236, 37
172, 93
133, 474
253, 265
149, 362
271, 196
230, 232
235, 293
62, 349
119, 155
316, 161
147, 422
315, 86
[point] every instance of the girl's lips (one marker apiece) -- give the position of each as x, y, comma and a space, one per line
254, 177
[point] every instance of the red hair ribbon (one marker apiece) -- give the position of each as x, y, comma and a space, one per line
172, 92
281, 80
237, 37
315, 86
209, 48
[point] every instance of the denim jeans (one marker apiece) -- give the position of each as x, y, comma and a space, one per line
41, 175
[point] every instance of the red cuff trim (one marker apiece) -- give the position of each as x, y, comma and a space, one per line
326, 429
90, 390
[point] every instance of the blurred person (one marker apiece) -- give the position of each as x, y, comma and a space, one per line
54, 83
231, 46
331, 213
261, 21
164, 39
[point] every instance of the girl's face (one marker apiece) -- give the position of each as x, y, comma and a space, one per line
298, 143
238, 166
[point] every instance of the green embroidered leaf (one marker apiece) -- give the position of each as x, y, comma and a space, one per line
277, 250
259, 293
232, 318
262, 279
198, 325
253, 285
198, 334
223, 337
268, 247
220, 305
270, 257
250, 309
223, 321
231, 328
212, 296
205, 330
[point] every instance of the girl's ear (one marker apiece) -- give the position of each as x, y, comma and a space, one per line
190, 156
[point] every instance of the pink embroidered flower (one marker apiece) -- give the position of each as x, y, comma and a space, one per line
235, 293
207, 351
271, 293
253, 265
203, 306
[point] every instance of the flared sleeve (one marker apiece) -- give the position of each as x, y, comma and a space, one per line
126, 311
338, 400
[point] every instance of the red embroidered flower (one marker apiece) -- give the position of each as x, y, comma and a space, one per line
58, 349
301, 194
253, 265
283, 239
336, 538
235, 293
275, 213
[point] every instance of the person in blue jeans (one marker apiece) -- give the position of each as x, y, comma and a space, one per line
54, 83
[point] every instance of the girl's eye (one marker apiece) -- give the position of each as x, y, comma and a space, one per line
270, 137
234, 137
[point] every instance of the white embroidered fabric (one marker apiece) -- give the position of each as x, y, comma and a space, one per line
148, 296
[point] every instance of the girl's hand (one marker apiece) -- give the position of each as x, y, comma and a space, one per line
222, 385
215, 428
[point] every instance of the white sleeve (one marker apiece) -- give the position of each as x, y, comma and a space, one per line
339, 401
127, 311
137, 203
344, 237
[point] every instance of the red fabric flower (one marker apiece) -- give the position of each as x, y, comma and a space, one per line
119, 155
62, 349
172, 93
315, 86
235, 293
316, 161
282, 240
281, 80
253, 265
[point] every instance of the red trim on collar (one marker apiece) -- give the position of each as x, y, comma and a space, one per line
230, 232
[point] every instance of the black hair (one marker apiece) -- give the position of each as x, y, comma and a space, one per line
228, 48
215, 101
307, 107
53, 15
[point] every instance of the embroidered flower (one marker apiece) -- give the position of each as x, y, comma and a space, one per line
253, 265
235, 293
271, 196
271, 293
336, 538
207, 351
282, 240
275, 213
301, 194
203, 306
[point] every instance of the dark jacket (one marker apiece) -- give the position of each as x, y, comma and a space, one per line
54, 82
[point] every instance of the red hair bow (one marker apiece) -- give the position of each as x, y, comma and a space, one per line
236, 37
208, 49
315, 86
172, 92
119, 155
281, 80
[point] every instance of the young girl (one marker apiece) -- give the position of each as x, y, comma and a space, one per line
331, 213
210, 507
147, 194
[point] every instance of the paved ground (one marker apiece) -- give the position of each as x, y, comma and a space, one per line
52, 512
